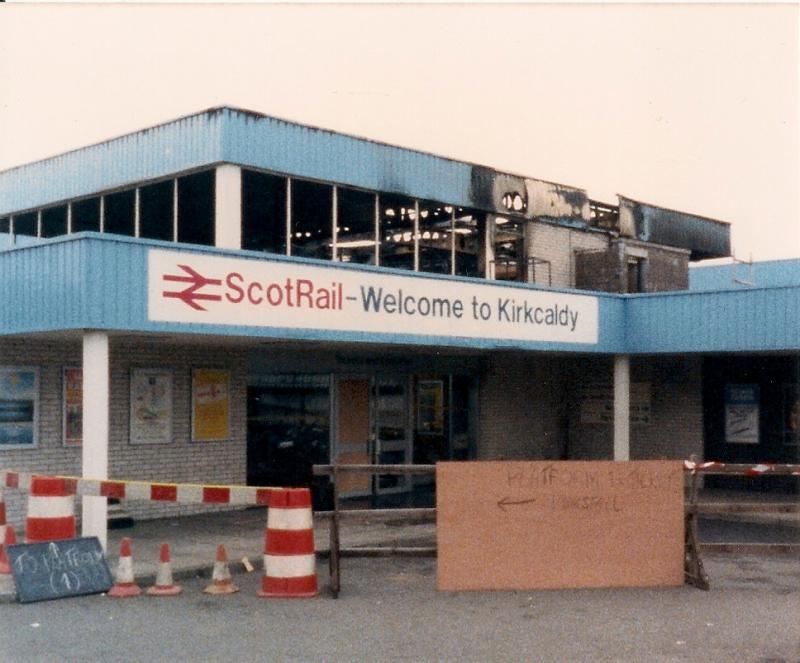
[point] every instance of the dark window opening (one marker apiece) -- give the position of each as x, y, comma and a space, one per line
397, 231
263, 212
119, 213
635, 275
469, 230
5, 225
196, 208
312, 220
288, 431
509, 250
356, 220
86, 215
156, 211
27, 224
435, 238
54, 221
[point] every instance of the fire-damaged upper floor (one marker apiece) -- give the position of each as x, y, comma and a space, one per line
240, 180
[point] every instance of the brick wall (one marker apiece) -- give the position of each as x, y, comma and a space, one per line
558, 245
675, 429
181, 461
521, 408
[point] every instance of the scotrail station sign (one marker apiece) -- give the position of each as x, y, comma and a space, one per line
204, 289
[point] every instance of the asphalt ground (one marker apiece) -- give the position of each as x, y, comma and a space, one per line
390, 610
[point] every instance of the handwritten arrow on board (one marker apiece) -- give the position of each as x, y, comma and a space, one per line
196, 281
503, 503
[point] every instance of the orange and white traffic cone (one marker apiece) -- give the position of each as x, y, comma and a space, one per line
9, 539
221, 582
125, 584
290, 569
164, 585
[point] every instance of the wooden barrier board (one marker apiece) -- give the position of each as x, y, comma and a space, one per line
559, 524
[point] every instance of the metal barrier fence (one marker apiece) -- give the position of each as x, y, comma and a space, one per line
694, 570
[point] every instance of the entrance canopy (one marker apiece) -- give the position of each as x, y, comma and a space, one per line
93, 281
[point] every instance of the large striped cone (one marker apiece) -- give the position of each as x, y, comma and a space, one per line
51, 510
9, 539
125, 584
221, 582
164, 585
290, 569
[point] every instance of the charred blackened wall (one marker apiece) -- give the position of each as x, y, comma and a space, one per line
629, 267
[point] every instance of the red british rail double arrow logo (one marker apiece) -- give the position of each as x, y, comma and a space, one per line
190, 295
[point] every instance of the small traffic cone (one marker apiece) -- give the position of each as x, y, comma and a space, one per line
221, 582
125, 585
9, 539
164, 585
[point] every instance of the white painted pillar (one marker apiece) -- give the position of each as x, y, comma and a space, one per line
622, 407
96, 385
228, 207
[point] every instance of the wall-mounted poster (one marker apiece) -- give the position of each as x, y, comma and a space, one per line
430, 407
211, 418
597, 404
19, 407
72, 380
151, 406
741, 413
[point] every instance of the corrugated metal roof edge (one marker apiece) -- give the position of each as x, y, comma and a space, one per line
264, 116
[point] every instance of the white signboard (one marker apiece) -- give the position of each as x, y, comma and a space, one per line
203, 289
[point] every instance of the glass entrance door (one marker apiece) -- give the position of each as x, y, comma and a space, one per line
392, 434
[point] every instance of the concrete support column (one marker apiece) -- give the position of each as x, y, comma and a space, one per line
622, 407
228, 207
96, 388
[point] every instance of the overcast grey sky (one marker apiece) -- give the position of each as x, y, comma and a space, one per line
689, 107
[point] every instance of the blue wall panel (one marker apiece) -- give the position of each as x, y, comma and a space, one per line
768, 274
753, 320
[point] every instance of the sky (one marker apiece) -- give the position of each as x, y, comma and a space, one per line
691, 107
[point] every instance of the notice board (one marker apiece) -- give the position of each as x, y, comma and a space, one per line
57, 569
560, 524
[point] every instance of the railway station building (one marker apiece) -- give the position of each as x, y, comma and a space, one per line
229, 298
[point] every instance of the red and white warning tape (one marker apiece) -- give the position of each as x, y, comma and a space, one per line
180, 493
760, 469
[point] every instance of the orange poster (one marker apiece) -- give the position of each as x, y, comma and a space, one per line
211, 405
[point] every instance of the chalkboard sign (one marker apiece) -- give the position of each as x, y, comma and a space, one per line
58, 569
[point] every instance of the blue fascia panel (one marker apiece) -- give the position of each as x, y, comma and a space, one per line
94, 281
292, 149
101, 283
753, 320
176, 146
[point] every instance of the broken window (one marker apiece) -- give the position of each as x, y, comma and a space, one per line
312, 220
397, 227
509, 249
435, 238
27, 224
196, 208
469, 229
263, 212
119, 213
86, 215
156, 211
355, 240
54, 221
